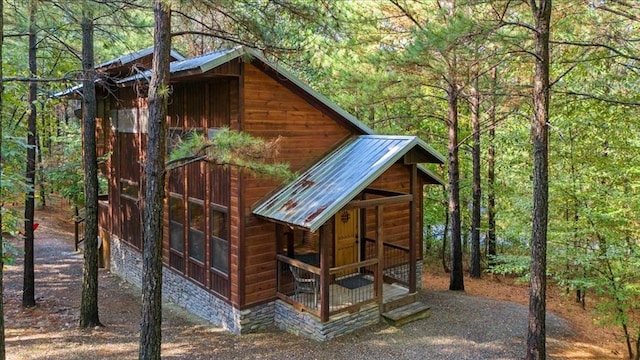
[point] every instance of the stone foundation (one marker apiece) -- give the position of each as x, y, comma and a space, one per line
304, 324
127, 263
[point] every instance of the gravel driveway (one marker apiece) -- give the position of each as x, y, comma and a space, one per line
460, 326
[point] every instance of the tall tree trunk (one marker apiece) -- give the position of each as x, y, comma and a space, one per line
40, 172
40, 144
89, 302
28, 285
456, 281
475, 270
444, 235
491, 174
154, 174
536, 337
2, 340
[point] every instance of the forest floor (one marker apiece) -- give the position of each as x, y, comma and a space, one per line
50, 330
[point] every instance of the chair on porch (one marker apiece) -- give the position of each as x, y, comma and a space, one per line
305, 283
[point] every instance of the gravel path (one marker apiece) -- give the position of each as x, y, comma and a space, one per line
460, 326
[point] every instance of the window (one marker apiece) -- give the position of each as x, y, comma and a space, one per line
196, 230
129, 189
176, 224
219, 239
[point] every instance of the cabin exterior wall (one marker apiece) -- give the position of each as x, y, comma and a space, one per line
271, 110
237, 292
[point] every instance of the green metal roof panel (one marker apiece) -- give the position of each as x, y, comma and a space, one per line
134, 56
203, 63
321, 191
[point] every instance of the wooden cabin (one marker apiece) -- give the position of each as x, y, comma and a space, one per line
321, 256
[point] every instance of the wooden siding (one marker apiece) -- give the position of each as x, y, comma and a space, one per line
396, 226
272, 110
198, 106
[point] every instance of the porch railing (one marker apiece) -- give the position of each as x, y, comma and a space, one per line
342, 289
395, 263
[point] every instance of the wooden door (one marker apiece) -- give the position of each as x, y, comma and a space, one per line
346, 239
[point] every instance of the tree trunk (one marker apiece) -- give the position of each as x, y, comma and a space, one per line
89, 302
491, 175
42, 179
539, 130
154, 174
456, 276
475, 270
28, 285
444, 236
2, 341
637, 355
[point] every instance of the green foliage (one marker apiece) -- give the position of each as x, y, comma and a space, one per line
231, 148
64, 168
10, 253
513, 265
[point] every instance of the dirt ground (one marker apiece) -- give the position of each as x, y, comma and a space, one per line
50, 331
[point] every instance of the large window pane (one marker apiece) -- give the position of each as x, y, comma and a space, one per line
196, 215
196, 231
220, 255
196, 245
219, 240
219, 224
176, 224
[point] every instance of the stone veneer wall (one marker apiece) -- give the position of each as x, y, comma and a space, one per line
304, 324
127, 263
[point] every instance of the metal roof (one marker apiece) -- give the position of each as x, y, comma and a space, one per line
210, 61
325, 188
134, 56
202, 63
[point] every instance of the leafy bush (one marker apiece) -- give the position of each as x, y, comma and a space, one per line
64, 168
515, 265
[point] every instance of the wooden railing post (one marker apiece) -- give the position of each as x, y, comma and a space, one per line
324, 274
380, 254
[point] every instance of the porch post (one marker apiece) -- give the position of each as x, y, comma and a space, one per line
412, 230
324, 274
379, 280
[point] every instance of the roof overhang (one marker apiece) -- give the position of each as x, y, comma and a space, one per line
332, 183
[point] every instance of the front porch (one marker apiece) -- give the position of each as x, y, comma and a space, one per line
346, 288
348, 235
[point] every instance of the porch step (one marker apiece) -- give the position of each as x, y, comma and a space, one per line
405, 314
400, 301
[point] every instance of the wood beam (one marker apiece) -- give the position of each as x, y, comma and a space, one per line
374, 191
379, 201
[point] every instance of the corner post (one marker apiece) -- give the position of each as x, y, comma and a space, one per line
412, 230
379, 280
324, 274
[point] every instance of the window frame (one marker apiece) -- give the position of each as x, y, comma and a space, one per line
213, 208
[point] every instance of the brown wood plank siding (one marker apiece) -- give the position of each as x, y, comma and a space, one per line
396, 217
272, 110
220, 106
114, 181
195, 100
235, 228
198, 106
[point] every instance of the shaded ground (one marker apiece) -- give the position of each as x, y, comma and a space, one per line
461, 326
